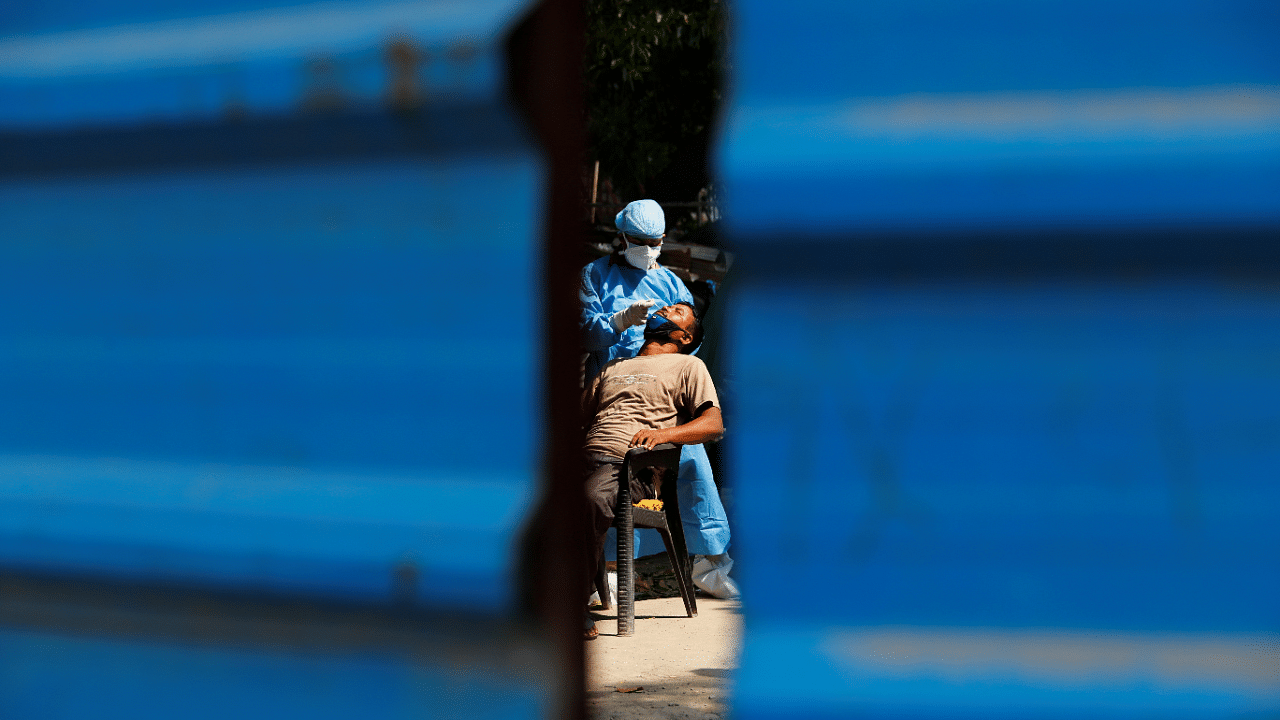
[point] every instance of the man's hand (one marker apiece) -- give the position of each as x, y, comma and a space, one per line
649, 438
636, 314
706, 427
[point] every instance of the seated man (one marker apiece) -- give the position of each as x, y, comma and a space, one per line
662, 395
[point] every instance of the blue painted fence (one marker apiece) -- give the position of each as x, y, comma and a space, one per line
259, 312
1006, 357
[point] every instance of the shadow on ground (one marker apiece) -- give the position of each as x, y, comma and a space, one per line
654, 577
700, 696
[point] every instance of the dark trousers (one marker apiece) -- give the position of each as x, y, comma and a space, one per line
603, 472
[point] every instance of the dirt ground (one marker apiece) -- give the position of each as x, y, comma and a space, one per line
681, 664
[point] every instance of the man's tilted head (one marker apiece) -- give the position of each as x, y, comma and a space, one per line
675, 328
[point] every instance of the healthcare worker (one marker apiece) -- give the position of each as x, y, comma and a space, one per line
618, 293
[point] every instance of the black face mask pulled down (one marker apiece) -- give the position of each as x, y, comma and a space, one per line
660, 328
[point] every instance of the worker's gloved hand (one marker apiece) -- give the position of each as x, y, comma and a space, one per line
634, 315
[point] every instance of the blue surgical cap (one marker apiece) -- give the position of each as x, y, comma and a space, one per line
642, 218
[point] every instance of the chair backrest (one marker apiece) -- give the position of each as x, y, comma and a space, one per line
665, 456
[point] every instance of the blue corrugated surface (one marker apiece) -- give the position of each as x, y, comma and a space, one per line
1009, 401
128, 64
64, 676
270, 277
940, 115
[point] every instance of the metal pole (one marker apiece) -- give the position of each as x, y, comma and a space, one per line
595, 183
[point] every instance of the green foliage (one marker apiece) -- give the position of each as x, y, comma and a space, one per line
654, 75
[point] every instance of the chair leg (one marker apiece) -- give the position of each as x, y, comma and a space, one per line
684, 569
684, 578
602, 584
626, 558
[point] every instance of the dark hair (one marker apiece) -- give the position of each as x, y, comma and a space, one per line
695, 332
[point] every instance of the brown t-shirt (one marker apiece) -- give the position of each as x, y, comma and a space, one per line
656, 391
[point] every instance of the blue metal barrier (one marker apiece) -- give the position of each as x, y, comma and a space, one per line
268, 373
1006, 359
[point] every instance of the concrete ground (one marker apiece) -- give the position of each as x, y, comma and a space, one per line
681, 665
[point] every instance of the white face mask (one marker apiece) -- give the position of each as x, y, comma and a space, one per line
642, 256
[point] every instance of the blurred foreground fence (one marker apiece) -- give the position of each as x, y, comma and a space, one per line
1006, 356
250, 464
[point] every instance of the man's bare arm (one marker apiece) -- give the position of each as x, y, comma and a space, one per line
707, 427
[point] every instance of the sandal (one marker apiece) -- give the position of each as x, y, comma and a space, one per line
589, 632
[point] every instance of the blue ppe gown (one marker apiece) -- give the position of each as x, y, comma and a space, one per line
610, 285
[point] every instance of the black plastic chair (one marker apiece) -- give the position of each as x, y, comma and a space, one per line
627, 517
